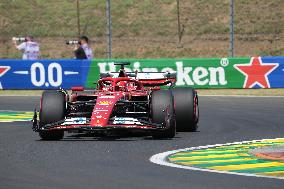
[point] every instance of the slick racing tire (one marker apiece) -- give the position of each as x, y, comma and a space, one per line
162, 112
53, 109
186, 108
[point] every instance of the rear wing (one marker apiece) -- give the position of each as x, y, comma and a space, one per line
157, 78
147, 78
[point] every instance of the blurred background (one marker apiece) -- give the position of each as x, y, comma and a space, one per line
146, 29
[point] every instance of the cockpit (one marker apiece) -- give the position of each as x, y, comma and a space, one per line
119, 84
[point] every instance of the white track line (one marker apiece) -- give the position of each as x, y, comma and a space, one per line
161, 159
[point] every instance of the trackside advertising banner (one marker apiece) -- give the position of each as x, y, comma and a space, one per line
43, 74
253, 72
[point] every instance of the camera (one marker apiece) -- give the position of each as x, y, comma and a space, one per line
72, 42
19, 39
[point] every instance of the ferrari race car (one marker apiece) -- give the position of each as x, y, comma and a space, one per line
122, 103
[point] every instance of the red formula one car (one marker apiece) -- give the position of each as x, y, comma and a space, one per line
123, 103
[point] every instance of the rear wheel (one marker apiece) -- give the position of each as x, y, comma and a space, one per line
162, 112
187, 110
53, 109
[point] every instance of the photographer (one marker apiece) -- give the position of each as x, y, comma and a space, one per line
29, 47
82, 49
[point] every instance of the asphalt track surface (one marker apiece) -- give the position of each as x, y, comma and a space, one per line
27, 162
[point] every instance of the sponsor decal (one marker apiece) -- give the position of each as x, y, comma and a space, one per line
104, 103
107, 96
126, 121
75, 120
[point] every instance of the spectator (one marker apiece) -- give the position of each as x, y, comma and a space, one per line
29, 48
83, 50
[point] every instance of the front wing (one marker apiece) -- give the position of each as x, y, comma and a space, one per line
140, 125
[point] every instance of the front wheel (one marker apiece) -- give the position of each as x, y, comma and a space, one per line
53, 109
162, 112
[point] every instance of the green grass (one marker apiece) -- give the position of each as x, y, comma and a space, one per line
58, 18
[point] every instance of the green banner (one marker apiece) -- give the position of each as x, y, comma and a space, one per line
195, 72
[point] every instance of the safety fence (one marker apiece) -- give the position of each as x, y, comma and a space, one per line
248, 72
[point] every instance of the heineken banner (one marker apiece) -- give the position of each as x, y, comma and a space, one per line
254, 72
